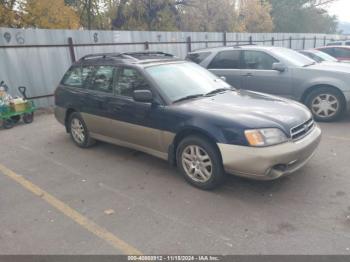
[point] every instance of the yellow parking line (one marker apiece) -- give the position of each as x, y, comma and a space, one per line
71, 213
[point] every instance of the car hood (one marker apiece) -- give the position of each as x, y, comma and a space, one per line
250, 109
331, 66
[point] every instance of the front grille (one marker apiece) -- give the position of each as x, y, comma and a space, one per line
302, 130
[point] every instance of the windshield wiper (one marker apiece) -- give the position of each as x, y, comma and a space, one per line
187, 97
219, 90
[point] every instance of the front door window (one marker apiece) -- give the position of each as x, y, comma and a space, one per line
129, 79
257, 60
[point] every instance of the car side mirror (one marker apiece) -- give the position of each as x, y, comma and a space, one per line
279, 67
144, 96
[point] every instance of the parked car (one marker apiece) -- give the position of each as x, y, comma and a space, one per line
342, 53
178, 111
324, 89
340, 42
318, 56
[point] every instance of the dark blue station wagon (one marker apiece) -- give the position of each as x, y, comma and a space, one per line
180, 112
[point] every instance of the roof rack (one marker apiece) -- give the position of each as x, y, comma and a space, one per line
100, 55
127, 55
219, 47
150, 53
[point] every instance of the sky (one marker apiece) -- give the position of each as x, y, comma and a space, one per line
340, 8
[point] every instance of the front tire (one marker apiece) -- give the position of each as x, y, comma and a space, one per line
15, 119
326, 104
79, 132
7, 124
200, 163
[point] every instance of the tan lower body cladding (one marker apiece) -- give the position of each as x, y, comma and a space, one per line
149, 140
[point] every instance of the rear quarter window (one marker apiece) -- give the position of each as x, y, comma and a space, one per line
77, 76
73, 77
198, 57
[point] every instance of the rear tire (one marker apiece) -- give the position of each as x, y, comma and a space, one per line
326, 104
200, 163
79, 132
28, 118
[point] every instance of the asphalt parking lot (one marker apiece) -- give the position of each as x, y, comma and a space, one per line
56, 198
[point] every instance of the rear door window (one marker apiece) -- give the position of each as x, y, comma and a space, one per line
226, 60
342, 52
103, 79
257, 60
198, 57
87, 74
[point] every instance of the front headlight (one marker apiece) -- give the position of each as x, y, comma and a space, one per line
265, 137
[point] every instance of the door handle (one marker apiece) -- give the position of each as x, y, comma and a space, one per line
248, 74
116, 107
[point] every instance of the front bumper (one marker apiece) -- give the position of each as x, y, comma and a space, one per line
268, 163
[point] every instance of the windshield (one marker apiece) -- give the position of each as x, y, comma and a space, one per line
325, 57
293, 57
181, 80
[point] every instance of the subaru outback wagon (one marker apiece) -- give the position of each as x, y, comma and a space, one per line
180, 112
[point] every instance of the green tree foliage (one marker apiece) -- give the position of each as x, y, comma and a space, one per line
92, 13
192, 15
209, 15
254, 16
8, 16
53, 14
148, 14
38, 14
302, 16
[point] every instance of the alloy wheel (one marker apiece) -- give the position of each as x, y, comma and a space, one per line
197, 163
78, 131
325, 105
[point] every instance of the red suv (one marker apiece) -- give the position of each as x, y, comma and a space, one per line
341, 53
